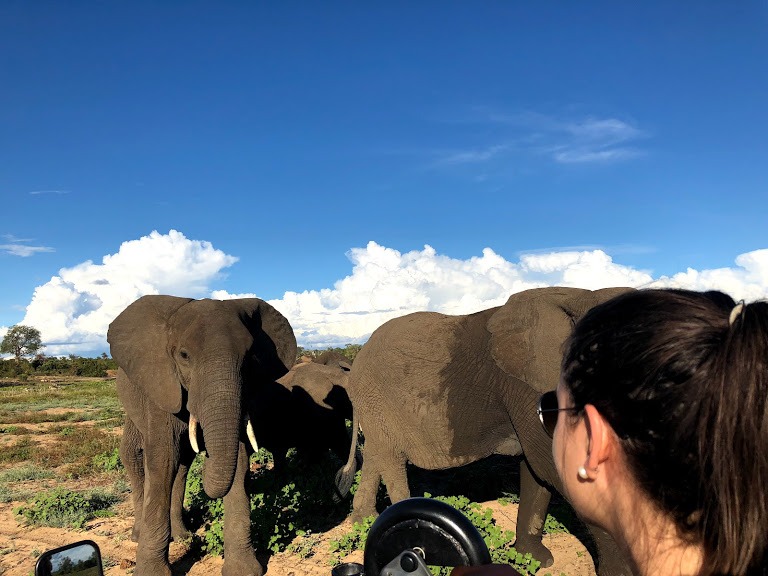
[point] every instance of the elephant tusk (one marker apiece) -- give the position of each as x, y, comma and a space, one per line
193, 434
250, 434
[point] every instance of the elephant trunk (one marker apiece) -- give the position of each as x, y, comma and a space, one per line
221, 420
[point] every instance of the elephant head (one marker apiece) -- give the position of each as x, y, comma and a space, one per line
527, 333
200, 357
325, 383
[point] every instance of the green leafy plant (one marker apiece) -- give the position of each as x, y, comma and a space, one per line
304, 545
62, 508
499, 541
553, 526
108, 461
353, 540
282, 506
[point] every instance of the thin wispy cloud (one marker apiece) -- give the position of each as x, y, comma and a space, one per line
20, 247
38, 192
23, 250
585, 155
564, 140
13, 239
471, 156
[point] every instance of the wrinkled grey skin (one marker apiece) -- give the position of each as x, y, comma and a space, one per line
442, 391
177, 357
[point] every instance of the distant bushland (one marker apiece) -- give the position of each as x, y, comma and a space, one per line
42, 365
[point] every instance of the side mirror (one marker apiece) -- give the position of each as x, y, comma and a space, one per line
83, 558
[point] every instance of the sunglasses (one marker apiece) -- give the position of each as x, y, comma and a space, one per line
548, 411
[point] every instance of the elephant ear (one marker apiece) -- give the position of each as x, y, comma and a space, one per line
138, 341
527, 334
582, 303
274, 342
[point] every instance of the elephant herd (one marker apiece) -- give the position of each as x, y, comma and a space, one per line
428, 389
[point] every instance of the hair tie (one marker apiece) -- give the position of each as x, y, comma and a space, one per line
736, 312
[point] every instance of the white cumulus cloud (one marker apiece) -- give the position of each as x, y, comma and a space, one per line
74, 309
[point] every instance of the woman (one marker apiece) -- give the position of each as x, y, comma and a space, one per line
660, 431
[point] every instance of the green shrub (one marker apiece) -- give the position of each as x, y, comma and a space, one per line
499, 541
108, 461
353, 540
61, 508
300, 500
304, 545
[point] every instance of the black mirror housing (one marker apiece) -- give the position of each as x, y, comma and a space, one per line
82, 558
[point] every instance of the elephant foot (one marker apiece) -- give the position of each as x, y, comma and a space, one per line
357, 516
153, 567
179, 531
537, 550
242, 567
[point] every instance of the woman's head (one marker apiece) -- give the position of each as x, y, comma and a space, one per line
684, 385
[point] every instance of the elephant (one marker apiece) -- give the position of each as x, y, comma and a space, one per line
443, 391
186, 364
306, 409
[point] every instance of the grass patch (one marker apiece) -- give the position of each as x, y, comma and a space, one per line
19, 451
79, 452
61, 508
37, 417
25, 473
9, 480
8, 494
46, 396
15, 430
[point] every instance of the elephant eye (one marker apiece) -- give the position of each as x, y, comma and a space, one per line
184, 355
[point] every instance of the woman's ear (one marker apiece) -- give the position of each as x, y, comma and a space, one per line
600, 440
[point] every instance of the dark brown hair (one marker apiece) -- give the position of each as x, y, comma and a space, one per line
686, 391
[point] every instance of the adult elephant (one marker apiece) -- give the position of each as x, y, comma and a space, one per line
185, 364
442, 391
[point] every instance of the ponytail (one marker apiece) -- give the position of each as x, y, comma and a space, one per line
682, 377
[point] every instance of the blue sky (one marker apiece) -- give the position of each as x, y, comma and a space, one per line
351, 162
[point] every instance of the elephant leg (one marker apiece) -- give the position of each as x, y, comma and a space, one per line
239, 557
531, 514
364, 501
395, 478
179, 529
609, 561
161, 461
132, 457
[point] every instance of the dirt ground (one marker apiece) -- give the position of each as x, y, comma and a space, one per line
21, 545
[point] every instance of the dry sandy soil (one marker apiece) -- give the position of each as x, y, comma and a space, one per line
20, 545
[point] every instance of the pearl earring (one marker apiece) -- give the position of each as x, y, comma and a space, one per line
583, 473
